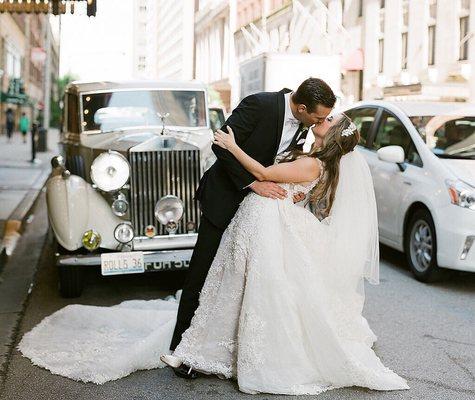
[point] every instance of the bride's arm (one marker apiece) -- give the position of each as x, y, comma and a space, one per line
304, 169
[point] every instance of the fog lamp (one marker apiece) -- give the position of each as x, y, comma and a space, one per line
171, 227
120, 205
467, 246
150, 231
91, 240
124, 233
169, 209
190, 226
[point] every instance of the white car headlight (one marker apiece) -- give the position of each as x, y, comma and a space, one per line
110, 171
461, 194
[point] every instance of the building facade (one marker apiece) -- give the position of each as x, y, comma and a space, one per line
163, 39
420, 50
215, 63
145, 39
23, 57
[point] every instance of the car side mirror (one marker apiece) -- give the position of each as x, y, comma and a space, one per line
393, 154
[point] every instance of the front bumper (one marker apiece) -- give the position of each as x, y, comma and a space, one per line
454, 225
167, 260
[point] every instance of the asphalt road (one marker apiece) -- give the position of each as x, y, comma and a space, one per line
426, 334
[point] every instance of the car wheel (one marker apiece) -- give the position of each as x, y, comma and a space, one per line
71, 280
421, 247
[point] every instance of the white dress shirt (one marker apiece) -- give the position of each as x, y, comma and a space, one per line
290, 126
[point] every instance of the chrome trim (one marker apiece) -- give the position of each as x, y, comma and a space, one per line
155, 174
165, 242
149, 256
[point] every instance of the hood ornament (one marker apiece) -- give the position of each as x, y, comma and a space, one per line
162, 118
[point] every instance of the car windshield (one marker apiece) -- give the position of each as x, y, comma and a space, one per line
137, 108
448, 136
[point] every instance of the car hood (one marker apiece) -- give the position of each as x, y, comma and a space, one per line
148, 140
463, 169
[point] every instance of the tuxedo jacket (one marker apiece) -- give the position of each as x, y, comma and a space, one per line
257, 123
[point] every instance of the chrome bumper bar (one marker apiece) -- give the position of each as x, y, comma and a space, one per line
166, 242
150, 257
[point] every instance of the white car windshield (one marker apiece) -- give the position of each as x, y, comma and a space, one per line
137, 108
448, 136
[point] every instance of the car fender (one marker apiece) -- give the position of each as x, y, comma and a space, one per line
75, 207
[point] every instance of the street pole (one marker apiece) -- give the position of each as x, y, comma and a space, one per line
47, 80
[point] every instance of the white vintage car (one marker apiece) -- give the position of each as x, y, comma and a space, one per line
121, 194
422, 158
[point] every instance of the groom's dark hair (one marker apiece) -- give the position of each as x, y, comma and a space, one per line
312, 92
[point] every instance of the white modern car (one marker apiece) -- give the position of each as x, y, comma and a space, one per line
422, 158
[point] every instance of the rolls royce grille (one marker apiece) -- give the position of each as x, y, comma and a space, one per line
159, 173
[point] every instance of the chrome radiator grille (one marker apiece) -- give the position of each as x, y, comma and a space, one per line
155, 174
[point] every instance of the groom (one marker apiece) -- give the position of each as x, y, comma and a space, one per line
265, 125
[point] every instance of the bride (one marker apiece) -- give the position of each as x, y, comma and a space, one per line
281, 307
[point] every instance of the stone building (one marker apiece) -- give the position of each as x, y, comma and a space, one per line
22, 63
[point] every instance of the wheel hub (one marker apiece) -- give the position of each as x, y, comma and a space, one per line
421, 245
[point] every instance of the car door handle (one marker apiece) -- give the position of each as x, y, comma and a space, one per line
407, 183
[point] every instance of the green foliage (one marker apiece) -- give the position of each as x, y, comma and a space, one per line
56, 110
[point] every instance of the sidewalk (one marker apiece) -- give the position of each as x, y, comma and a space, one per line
20, 184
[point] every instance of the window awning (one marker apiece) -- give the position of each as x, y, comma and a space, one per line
354, 61
11, 98
44, 6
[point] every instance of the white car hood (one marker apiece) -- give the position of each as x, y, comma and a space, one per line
463, 169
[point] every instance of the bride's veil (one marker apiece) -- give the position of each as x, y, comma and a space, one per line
353, 223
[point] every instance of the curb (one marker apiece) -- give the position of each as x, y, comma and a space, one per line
18, 279
12, 228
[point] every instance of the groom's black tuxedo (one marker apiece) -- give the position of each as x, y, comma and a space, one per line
257, 123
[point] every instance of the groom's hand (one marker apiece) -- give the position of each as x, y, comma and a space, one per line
268, 189
298, 197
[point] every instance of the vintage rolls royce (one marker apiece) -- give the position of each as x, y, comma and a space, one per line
121, 193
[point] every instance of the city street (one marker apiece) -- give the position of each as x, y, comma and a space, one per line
425, 334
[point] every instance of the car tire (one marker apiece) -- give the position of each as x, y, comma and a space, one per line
71, 277
420, 247
71, 281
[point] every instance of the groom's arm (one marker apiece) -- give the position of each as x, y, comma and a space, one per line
243, 121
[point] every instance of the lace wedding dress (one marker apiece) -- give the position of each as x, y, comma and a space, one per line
274, 315
280, 310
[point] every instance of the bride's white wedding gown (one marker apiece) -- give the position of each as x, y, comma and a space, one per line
276, 313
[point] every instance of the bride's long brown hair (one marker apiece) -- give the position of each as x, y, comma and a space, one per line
334, 147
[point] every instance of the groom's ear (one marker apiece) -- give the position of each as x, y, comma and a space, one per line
301, 108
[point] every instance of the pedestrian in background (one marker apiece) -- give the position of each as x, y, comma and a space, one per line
24, 126
10, 123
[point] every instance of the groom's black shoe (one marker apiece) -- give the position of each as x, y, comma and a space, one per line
186, 372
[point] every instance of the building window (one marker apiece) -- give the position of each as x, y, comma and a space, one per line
431, 60
381, 55
433, 9
463, 49
360, 8
404, 50
405, 13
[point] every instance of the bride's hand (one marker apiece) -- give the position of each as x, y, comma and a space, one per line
225, 140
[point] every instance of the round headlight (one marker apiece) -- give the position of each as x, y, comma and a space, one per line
110, 171
169, 209
124, 233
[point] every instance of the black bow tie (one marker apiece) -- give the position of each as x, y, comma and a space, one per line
300, 134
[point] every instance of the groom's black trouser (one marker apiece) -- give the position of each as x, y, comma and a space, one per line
209, 237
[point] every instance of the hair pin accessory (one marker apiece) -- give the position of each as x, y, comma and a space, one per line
349, 131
